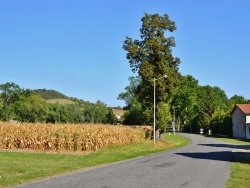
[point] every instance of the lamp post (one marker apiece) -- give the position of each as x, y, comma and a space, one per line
165, 76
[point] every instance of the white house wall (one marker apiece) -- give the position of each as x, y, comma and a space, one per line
248, 119
239, 124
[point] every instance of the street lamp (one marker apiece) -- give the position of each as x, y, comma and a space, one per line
165, 76
174, 119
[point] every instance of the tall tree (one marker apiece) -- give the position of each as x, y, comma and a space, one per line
129, 96
9, 93
220, 99
163, 116
185, 101
213, 103
30, 107
134, 113
206, 106
237, 99
151, 57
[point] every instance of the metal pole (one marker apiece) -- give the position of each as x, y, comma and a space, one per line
154, 110
174, 122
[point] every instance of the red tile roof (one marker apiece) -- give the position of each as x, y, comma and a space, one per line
244, 108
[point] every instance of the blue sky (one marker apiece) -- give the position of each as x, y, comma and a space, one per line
75, 47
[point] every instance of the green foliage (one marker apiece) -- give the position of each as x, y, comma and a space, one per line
151, 57
237, 99
163, 116
65, 113
99, 113
184, 100
221, 124
110, 117
134, 116
28, 106
210, 100
9, 95
49, 94
55, 96
129, 96
9, 92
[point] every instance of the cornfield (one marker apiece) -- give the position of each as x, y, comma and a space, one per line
68, 137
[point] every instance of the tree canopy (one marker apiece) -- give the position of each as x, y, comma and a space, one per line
151, 57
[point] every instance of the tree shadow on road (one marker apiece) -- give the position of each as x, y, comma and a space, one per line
227, 146
218, 155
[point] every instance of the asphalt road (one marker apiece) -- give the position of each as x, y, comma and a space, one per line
202, 164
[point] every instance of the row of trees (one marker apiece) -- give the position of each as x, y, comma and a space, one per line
27, 106
195, 107
151, 58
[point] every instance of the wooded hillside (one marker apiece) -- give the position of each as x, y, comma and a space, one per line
49, 94
49, 106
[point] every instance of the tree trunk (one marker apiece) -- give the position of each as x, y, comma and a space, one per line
162, 136
157, 134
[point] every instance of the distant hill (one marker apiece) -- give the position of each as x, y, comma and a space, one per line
53, 96
50, 94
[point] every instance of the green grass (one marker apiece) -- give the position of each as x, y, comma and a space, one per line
240, 171
240, 176
234, 141
20, 167
61, 101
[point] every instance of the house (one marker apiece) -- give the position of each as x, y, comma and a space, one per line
119, 114
241, 121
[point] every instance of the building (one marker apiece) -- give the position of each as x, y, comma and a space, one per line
241, 121
119, 114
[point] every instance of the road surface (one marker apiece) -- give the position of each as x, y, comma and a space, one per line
202, 164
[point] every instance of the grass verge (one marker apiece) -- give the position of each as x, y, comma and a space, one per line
240, 176
234, 141
19, 167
